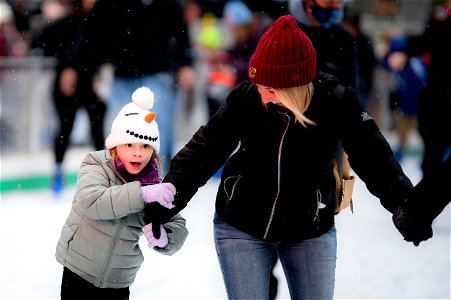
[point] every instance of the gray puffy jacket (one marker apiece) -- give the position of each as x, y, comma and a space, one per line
100, 239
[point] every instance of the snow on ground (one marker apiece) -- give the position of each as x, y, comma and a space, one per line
373, 260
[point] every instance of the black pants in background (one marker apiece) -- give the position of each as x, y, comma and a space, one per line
67, 107
73, 287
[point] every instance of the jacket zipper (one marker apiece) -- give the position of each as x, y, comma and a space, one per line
110, 251
319, 204
273, 209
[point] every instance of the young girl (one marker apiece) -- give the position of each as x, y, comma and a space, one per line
99, 243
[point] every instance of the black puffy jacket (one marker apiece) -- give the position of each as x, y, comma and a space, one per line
272, 184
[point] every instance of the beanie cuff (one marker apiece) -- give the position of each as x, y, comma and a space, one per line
283, 76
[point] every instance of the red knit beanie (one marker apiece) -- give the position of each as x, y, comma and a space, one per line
284, 56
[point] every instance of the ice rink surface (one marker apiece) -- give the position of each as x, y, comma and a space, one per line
373, 260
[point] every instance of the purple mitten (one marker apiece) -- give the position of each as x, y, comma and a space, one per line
162, 193
154, 242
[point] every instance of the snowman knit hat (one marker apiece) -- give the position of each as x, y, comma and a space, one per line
135, 123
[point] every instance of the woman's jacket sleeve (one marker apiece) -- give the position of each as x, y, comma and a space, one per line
209, 148
370, 155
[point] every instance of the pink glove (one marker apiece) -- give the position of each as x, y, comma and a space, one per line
153, 242
162, 193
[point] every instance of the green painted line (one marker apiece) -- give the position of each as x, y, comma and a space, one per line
415, 152
33, 182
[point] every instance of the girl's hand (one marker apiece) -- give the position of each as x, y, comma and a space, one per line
154, 242
162, 193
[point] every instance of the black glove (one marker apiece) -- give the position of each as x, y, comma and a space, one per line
157, 214
412, 228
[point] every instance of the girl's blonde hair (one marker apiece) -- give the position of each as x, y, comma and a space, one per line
297, 100
154, 158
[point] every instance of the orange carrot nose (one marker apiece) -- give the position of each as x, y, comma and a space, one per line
150, 116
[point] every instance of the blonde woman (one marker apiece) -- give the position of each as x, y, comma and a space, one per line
277, 136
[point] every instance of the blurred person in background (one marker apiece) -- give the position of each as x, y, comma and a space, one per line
365, 56
271, 9
321, 22
246, 32
434, 112
147, 44
24, 11
410, 76
53, 10
56, 40
11, 41
221, 79
220, 74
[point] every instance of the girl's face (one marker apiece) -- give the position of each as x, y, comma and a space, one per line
134, 157
268, 95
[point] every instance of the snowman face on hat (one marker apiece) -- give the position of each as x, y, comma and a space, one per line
135, 124
134, 130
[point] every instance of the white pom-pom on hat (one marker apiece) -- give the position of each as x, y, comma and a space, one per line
143, 97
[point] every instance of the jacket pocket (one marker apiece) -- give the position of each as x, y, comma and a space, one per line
230, 187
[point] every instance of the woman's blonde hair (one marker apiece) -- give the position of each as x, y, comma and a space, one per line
297, 100
154, 158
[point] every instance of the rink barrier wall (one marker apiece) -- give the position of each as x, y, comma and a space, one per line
36, 182
34, 171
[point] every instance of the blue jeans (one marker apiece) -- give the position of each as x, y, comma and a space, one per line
245, 261
162, 85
